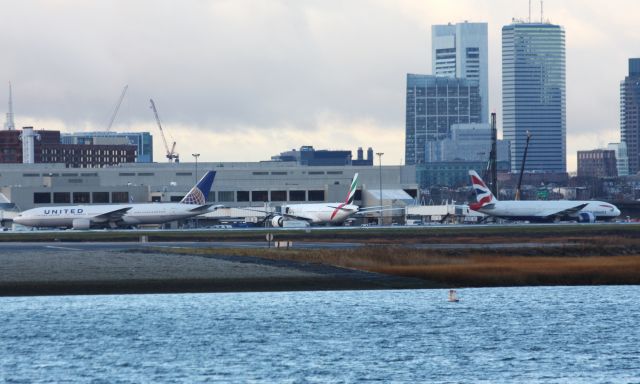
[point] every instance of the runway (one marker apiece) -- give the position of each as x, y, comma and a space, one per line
66, 247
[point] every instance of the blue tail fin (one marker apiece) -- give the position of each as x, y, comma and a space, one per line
198, 194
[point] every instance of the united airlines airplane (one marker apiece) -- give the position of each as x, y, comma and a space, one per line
122, 215
539, 210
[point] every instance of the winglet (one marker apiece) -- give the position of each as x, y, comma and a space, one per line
484, 196
198, 194
352, 190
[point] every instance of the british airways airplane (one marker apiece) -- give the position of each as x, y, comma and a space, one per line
539, 210
122, 215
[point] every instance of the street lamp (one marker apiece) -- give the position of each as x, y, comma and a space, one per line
196, 155
380, 161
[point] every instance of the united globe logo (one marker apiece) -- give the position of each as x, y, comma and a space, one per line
195, 196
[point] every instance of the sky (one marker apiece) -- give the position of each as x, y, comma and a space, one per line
243, 80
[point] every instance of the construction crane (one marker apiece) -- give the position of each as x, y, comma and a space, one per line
117, 108
171, 153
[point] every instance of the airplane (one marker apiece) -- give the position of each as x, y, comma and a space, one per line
122, 215
320, 213
539, 210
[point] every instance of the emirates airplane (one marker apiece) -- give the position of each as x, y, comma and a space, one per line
321, 213
539, 210
122, 215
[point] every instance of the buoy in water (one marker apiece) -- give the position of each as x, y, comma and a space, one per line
453, 296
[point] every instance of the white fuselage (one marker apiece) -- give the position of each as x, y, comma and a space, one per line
144, 213
540, 210
322, 213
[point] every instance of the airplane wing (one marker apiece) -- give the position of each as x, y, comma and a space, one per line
565, 212
115, 215
205, 207
367, 210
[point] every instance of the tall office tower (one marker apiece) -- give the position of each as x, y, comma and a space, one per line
460, 50
534, 95
434, 104
630, 114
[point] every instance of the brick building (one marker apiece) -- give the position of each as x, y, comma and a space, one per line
597, 163
49, 149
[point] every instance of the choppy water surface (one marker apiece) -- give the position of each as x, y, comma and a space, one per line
557, 334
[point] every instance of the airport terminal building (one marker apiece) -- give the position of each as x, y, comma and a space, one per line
236, 185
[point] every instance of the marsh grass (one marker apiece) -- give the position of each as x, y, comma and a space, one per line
604, 261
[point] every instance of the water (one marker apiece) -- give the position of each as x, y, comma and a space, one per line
550, 335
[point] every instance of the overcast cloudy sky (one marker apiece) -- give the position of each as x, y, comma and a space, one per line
242, 80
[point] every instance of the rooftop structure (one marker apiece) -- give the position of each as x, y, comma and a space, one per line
309, 156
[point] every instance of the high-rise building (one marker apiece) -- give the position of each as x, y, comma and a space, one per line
142, 140
534, 95
434, 104
468, 142
460, 50
630, 114
622, 159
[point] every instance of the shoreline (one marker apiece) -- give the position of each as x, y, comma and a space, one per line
104, 273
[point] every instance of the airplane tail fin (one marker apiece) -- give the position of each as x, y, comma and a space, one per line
352, 190
198, 194
484, 196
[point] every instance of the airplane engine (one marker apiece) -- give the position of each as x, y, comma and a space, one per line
81, 223
586, 217
277, 221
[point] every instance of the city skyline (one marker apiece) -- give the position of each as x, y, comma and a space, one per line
285, 74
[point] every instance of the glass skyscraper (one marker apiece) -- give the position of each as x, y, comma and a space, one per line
630, 114
534, 95
460, 50
434, 104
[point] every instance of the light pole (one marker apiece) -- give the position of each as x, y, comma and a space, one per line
380, 161
196, 155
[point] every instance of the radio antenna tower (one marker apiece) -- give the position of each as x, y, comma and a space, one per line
9, 125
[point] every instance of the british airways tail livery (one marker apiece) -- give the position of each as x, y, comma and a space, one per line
122, 215
539, 210
484, 196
